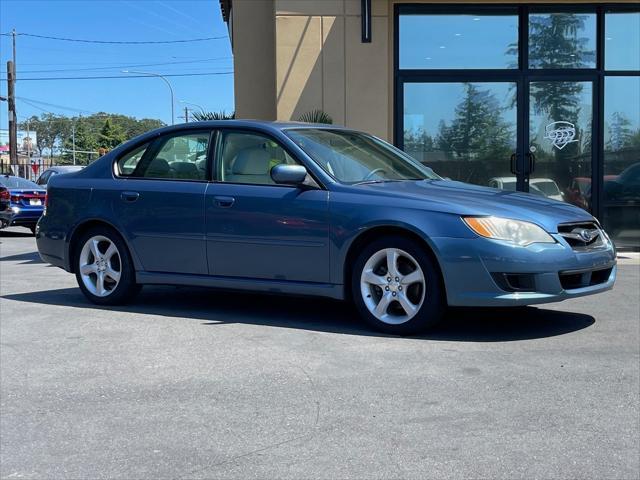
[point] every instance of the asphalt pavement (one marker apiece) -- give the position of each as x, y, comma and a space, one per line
196, 383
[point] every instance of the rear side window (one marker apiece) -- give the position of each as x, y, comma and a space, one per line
176, 157
128, 163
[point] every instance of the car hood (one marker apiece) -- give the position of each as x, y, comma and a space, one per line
466, 199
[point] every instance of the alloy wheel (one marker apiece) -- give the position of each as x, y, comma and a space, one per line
393, 286
100, 266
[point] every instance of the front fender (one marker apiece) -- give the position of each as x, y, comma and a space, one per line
351, 218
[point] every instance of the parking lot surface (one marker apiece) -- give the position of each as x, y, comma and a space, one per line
196, 383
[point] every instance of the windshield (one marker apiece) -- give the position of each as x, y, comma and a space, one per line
351, 157
17, 182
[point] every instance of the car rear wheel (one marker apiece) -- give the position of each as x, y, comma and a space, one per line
396, 287
104, 269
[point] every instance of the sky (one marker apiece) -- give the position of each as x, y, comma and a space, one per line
116, 20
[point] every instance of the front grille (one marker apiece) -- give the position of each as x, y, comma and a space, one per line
588, 278
582, 236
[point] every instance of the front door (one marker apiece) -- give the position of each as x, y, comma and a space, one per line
257, 229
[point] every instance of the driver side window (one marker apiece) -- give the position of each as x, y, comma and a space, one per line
248, 157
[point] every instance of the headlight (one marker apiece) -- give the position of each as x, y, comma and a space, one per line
516, 231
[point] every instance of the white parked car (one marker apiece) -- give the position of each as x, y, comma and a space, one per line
545, 187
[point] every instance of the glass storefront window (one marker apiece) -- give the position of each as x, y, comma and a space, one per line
622, 41
458, 41
622, 160
463, 131
562, 40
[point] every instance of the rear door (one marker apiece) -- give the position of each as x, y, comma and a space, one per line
159, 201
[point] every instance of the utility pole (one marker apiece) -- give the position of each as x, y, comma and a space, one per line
13, 38
73, 141
11, 103
186, 114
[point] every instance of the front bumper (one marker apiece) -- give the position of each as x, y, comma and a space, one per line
472, 269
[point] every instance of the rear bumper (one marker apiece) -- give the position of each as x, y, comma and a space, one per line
26, 217
51, 244
472, 269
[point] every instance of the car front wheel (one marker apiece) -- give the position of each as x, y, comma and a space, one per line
396, 287
104, 269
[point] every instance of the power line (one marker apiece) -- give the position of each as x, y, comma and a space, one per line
125, 66
31, 100
119, 42
120, 76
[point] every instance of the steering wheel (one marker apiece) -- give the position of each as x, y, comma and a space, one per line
373, 172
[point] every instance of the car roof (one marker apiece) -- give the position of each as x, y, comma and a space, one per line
254, 124
64, 168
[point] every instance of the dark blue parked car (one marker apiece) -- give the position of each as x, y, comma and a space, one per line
313, 210
26, 201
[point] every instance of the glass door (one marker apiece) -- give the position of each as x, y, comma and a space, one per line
559, 147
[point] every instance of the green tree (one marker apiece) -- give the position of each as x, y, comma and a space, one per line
111, 135
204, 116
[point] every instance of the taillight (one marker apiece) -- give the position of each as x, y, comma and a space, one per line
15, 198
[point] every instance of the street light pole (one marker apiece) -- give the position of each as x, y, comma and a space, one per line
152, 74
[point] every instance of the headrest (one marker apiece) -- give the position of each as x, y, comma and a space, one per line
158, 167
251, 161
185, 168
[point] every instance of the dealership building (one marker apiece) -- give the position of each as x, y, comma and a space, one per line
538, 97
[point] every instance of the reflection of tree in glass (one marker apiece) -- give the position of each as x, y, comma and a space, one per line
554, 41
417, 141
478, 133
621, 134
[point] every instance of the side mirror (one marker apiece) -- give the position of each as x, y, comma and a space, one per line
289, 174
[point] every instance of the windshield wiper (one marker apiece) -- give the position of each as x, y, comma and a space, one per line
379, 180
385, 180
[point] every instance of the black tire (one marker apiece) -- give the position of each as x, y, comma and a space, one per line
434, 304
127, 287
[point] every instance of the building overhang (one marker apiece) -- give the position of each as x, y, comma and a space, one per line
225, 8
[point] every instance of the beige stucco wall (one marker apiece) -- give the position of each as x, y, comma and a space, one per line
321, 63
254, 58
293, 56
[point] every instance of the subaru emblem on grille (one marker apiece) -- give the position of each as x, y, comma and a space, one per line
586, 235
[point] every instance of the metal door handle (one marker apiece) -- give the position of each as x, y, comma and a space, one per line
129, 196
514, 164
224, 202
532, 162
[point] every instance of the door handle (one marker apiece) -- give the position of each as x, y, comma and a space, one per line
514, 164
532, 162
129, 196
224, 202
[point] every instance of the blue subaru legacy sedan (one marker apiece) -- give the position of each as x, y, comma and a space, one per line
313, 210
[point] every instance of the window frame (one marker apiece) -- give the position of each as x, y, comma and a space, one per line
216, 164
154, 145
